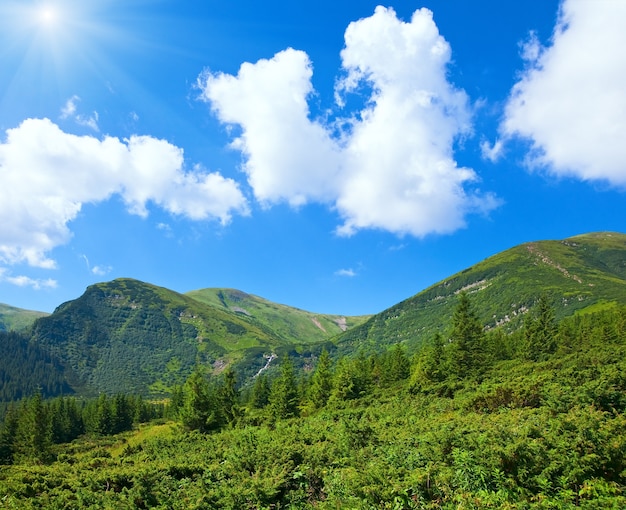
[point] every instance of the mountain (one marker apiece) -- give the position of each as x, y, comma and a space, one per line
578, 274
130, 336
289, 324
14, 319
133, 337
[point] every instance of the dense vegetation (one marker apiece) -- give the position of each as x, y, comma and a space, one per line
25, 367
133, 337
530, 419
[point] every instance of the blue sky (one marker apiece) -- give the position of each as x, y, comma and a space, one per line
335, 156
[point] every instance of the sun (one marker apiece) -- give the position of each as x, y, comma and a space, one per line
48, 16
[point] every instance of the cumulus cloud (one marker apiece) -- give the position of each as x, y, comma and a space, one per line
288, 156
49, 174
391, 165
570, 101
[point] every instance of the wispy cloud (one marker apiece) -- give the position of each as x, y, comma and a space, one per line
346, 272
97, 270
69, 111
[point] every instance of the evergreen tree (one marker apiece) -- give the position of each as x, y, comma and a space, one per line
228, 397
123, 412
199, 411
540, 331
67, 420
8, 434
260, 392
434, 360
469, 356
398, 365
34, 433
321, 382
283, 397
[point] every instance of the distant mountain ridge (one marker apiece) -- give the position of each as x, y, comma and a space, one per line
290, 324
134, 337
578, 273
15, 319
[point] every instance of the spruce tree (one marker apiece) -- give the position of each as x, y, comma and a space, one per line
540, 331
321, 381
283, 398
228, 397
467, 339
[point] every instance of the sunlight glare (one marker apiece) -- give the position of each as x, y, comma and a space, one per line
48, 16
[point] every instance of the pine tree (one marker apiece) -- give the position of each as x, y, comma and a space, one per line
198, 411
8, 434
260, 392
34, 432
398, 366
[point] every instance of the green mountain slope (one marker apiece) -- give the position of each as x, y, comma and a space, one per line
15, 319
290, 324
578, 274
134, 337
127, 336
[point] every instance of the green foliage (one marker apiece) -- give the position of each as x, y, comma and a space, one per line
283, 398
527, 434
26, 367
321, 385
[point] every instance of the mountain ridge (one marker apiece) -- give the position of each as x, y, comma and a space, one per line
135, 337
575, 273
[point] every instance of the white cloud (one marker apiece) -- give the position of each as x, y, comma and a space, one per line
69, 111
26, 281
346, 272
570, 101
392, 165
492, 152
288, 156
96, 270
50, 174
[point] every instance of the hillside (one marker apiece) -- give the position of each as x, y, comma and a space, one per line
134, 337
578, 274
129, 336
15, 319
290, 324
